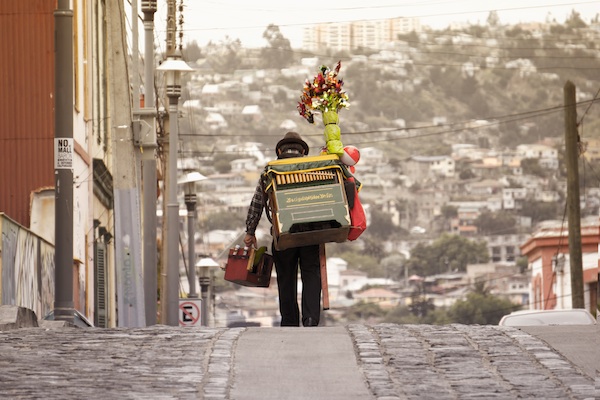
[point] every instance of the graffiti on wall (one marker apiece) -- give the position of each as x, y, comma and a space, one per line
26, 269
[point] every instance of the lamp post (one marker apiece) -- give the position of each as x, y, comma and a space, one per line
173, 67
204, 265
189, 182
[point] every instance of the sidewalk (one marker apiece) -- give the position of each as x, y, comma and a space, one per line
297, 363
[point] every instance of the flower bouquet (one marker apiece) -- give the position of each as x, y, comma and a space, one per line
325, 94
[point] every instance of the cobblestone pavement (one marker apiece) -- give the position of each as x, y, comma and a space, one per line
464, 362
397, 361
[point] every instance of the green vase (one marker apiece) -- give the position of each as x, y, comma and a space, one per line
330, 117
332, 133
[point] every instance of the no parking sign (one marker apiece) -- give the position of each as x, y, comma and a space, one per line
189, 312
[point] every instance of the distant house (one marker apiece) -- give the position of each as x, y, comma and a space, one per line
195, 104
505, 248
511, 197
546, 196
494, 203
383, 297
547, 155
424, 167
228, 107
485, 169
244, 164
215, 121
219, 182
253, 149
430, 202
538, 151
209, 93
288, 125
502, 280
467, 213
525, 67
252, 113
235, 200
370, 156
438, 121
210, 89
485, 187
547, 252
531, 183
351, 279
592, 151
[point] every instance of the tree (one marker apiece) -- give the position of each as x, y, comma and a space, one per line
192, 52
449, 212
540, 211
480, 308
401, 315
490, 223
222, 165
531, 166
419, 305
412, 37
361, 262
466, 174
493, 19
478, 103
224, 56
364, 311
574, 21
222, 220
458, 251
278, 53
373, 247
393, 266
381, 225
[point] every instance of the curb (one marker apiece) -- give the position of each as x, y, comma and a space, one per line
15, 317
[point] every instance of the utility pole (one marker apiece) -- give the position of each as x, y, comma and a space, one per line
573, 207
170, 257
63, 162
130, 294
144, 122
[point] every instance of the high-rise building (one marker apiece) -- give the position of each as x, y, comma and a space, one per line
347, 36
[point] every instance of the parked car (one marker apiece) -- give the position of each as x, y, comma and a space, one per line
577, 316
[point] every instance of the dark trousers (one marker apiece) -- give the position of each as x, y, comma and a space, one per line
286, 264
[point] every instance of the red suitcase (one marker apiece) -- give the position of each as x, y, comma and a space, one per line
242, 269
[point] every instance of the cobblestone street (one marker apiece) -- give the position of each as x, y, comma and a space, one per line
396, 361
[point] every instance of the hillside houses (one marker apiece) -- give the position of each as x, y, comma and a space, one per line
504, 189
546, 155
480, 175
371, 159
420, 168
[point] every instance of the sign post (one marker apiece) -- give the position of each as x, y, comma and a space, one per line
190, 312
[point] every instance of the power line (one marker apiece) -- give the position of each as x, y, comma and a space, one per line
334, 10
451, 128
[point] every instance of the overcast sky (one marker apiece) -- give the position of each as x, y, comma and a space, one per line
246, 20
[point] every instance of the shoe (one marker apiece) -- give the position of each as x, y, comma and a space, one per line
310, 322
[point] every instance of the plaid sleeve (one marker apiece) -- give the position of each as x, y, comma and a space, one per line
255, 210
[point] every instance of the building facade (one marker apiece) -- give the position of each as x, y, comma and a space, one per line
547, 251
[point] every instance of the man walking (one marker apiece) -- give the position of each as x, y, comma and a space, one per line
287, 261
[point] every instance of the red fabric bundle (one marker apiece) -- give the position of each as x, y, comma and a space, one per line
358, 219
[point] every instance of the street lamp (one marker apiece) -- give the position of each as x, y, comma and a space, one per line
189, 182
173, 67
204, 264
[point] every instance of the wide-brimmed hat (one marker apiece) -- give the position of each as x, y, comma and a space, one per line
292, 138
